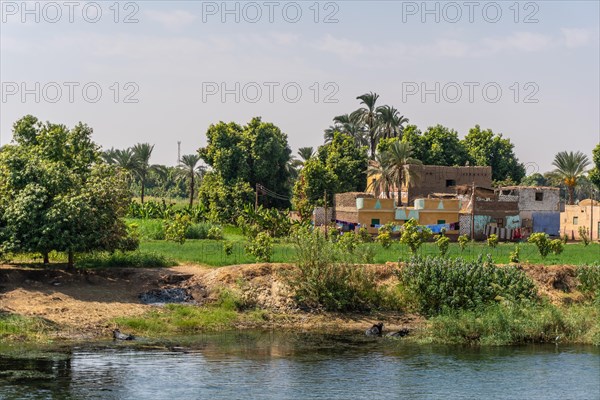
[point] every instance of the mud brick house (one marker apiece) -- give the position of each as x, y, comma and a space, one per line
585, 214
484, 213
539, 207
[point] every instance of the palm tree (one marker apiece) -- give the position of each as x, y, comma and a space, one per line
399, 158
189, 170
381, 173
348, 124
569, 167
109, 155
142, 153
367, 115
306, 153
391, 123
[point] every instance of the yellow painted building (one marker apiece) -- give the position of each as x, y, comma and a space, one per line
583, 215
372, 213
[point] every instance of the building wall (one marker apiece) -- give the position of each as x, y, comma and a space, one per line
584, 218
546, 222
441, 179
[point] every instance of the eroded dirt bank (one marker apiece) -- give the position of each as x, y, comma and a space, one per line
82, 305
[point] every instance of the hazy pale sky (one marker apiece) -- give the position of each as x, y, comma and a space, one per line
162, 72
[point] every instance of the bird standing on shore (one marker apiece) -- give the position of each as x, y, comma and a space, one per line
117, 335
375, 330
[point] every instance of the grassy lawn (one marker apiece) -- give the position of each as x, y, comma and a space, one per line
211, 252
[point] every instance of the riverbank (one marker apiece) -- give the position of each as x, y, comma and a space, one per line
52, 304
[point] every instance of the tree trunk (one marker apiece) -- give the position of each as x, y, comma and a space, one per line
571, 195
70, 262
143, 184
46, 258
192, 191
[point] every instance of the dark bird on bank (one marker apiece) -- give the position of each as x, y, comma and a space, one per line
400, 333
375, 330
117, 335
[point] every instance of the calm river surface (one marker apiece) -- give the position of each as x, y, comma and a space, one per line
297, 366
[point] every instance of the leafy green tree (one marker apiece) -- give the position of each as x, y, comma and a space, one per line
486, 148
535, 179
594, 174
257, 153
570, 166
346, 161
315, 179
413, 136
443, 147
56, 194
223, 201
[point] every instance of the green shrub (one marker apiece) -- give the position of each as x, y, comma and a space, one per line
384, 239
176, 228
463, 240
556, 246
261, 247
364, 235
442, 242
148, 229
589, 280
136, 259
228, 248
348, 241
414, 235
197, 231
515, 255
492, 241
322, 281
584, 235
215, 233
438, 284
541, 241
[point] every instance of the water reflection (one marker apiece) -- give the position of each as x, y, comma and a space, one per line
300, 366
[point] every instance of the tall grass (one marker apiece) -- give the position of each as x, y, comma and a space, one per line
589, 281
18, 327
510, 324
135, 259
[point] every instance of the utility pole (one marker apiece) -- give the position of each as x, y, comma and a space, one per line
326, 224
178, 152
592, 215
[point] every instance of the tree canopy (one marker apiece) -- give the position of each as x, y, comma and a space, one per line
57, 194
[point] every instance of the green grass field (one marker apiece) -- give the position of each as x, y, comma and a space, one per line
211, 252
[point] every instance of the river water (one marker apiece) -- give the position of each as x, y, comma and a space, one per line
254, 365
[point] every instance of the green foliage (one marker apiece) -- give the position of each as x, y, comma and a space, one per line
384, 238
347, 242
120, 259
215, 233
224, 202
443, 243
463, 240
589, 280
438, 146
19, 327
197, 231
56, 194
594, 174
228, 248
414, 235
261, 247
176, 228
439, 284
542, 242
275, 222
514, 324
256, 153
556, 246
364, 235
320, 280
492, 241
515, 256
486, 148
584, 235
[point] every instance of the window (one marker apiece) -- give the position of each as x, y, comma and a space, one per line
500, 222
441, 221
575, 220
374, 222
450, 182
539, 196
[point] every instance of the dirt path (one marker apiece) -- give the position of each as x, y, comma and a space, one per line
83, 305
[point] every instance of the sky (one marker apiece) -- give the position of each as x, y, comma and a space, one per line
162, 72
